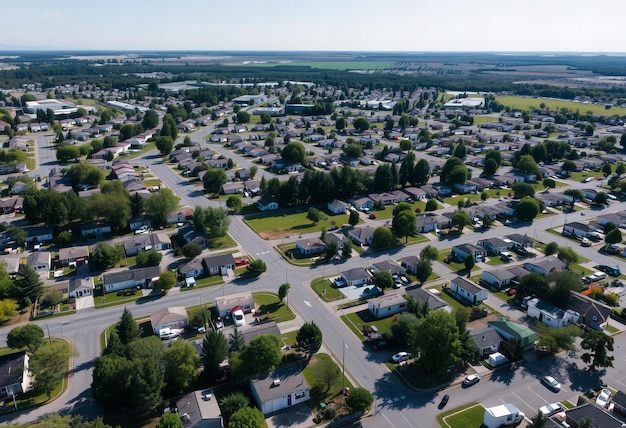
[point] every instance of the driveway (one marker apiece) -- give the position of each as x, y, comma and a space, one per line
296, 416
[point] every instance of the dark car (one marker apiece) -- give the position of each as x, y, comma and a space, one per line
611, 270
444, 401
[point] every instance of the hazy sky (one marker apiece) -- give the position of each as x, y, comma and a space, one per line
356, 25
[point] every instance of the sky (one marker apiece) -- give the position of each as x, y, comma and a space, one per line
318, 25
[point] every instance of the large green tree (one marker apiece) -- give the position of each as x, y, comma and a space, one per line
597, 344
247, 417
309, 338
382, 238
111, 381
527, 209
359, 400
294, 152
214, 351
29, 336
170, 420
213, 180
181, 362
421, 173
403, 224
49, 366
382, 279
435, 340
27, 286
262, 354
127, 330
106, 256
148, 377
160, 204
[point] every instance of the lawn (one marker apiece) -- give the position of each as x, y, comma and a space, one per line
581, 175
495, 261
331, 394
289, 252
454, 200
453, 266
323, 287
415, 239
273, 226
269, 306
112, 299
451, 301
356, 320
468, 416
526, 103
289, 339
222, 243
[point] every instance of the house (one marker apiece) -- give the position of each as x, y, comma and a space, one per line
462, 251
179, 215
410, 263
219, 264
94, 229
80, 287
356, 276
510, 330
267, 204
362, 204
337, 207
520, 241
432, 223
200, 409
233, 188
145, 242
39, 261
252, 331
140, 278
466, 187
487, 341
390, 266
545, 266
578, 229
280, 389
550, 315
38, 234
76, 255
468, 290
503, 278
174, 318
361, 235
384, 198
599, 417
14, 375
385, 306
192, 269
428, 297
494, 246
11, 205
338, 239
310, 246
224, 305
592, 313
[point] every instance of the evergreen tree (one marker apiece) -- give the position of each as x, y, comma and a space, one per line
214, 351
236, 341
127, 329
27, 285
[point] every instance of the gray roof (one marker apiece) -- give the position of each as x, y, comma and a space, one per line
389, 266
74, 252
218, 261
168, 315
193, 264
588, 308
253, 331
466, 285
422, 296
410, 260
548, 264
291, 380
599, 417
199, 411
502, 274
38, 257
485, 337
386, 301
136, 274
519, 239
12, 368
354, 274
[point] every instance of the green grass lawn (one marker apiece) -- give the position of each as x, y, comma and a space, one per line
417, 239
323, 288
269, 306
525, 103
112, 299
289, 339
581, 175
454, 200
356, 320
332, 392
495, 261
453, 266
468, 416
152, 182
274, 226
451, 301
222, 243
208, 281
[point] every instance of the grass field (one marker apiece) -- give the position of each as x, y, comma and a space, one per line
271, 307
524, 103
356, 320
468, 416
332, 65
324, 289
275, 226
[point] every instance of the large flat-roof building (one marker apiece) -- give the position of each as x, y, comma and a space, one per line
59, 107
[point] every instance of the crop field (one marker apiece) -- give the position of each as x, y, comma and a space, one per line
332, 65
525, 103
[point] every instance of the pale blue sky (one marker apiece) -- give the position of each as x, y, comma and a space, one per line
355, 25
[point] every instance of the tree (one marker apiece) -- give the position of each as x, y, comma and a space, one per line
256, 267
559, 338
214, 351
236, 341
164, 144
166, 281
401, 327
513, 349
359, 400
601, 198
29, 336
234, 401
435, 340
597, 344
382, 238
243, 117
423, 270
361, 124
234, 203
551, 249
83, 173
620, 168
431, 205
27, 285
191, 250
150, 120
111, 381
447, 168
346, 251
354, 217
383, 279
170, 420
147, 379
403, 224
212, 221
136, 204
522, 190
353, 150
326, 371
609, 226
575, 195
469, 263
533, 284
421, 173
314, 215
538, 421
569, 166
181, 362
247, 417
160, 204
491, 167
527, 209
283, 290
262, 354
149, 258
613, 237
340, 124
309, 338
105, 256
549, 183
460, 219
527, 164
294, 152
49, 366
17, 234
429, 253
67, 152
128, 330
214, 179
568, 256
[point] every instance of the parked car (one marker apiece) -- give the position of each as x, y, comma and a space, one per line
471, 380
372, 216
611, 270
505, 256
551, 383
401, 356
603, 398
550, 409
511, 292
444, 401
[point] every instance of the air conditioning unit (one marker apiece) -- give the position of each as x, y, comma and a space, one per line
276, 382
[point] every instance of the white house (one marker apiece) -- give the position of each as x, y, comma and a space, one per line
94, 229
14, 375
175, 318
385, 306
267, 204
224, 305
337, 207
545, 266
280, 389
80, 287
140, 278
310, 246
219, 264
551, 315
469, 291
191, 269
356, 276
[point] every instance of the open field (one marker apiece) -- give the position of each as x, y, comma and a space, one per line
467, 416
331, 65
525, 103
275, 226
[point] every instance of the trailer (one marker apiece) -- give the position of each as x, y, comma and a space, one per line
503, 415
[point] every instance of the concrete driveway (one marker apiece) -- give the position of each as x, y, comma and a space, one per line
296, 416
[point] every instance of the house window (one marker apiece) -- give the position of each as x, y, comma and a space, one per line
299, 395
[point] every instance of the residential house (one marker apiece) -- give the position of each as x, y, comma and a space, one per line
11, 205
487, 341
386, 305
362, 203
361, 235
462, 251
578, 230
384, 198
179, 215
598, 416
337, 238
252, 331
174, 318
80, 287
356, 276
280, 389
469, 291
192, 269
200, 409
219, 264
145, 242
416, 193
267, 204
94, 229
550, 315
390, 266
337, 207
545, 266
466, 187
38, 234
494, 246
310, 246
39, 261
233, 188
428, 297
140, 278
74, 255
139, 221
592, 313
15, 377
520, 241
410, 263
510, 330
225, 305
442, 189
503, 277
432, 223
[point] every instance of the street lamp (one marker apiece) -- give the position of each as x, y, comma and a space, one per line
343, 367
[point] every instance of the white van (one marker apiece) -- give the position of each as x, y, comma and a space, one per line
239, 318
